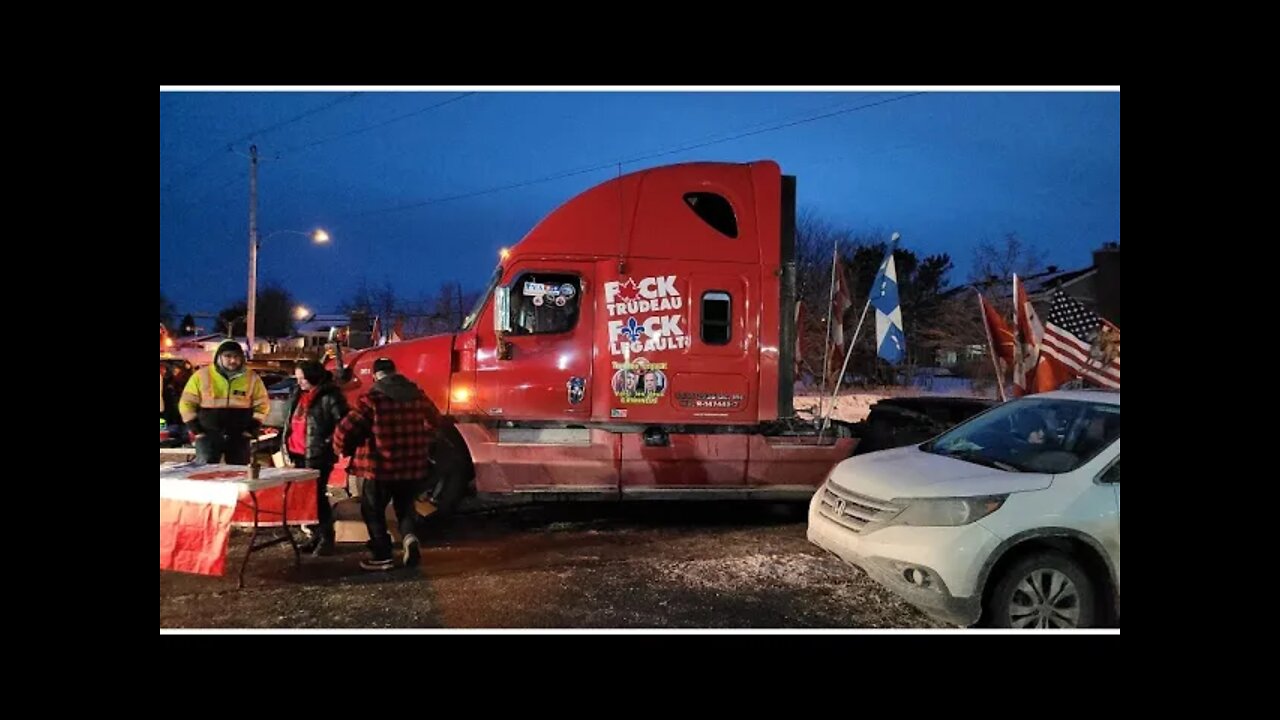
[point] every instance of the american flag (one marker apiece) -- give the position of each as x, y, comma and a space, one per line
1080, 342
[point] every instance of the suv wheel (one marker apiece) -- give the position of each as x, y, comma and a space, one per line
1043, 590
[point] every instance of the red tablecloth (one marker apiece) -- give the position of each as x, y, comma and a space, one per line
200, 503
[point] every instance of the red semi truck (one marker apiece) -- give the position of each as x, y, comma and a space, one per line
637, 343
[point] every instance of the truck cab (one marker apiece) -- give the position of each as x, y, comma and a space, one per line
636, 343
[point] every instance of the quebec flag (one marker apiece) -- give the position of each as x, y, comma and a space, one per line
891, 343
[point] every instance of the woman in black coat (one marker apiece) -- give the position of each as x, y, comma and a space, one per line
316, 406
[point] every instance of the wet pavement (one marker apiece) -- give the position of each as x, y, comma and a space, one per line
573, 565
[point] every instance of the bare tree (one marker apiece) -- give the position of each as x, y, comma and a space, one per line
416, 316
815, 239
372, 301
994, 263
434, 314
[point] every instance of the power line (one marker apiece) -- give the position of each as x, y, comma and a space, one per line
375, 126
210, 191
639, 158
765, 123
345, 98
771, 129
187, 174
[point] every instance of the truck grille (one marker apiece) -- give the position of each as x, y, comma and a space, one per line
852, 510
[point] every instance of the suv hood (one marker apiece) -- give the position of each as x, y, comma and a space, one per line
912, 473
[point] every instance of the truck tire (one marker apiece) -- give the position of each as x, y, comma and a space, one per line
1043, 590
450, 479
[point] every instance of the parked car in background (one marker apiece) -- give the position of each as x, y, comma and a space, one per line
894, 422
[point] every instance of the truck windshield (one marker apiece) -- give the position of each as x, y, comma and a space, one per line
475, 311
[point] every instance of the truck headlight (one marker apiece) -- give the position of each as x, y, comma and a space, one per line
946, 512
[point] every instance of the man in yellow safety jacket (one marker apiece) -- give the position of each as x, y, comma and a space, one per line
223, 405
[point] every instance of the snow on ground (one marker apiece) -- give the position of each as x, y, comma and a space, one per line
855, 405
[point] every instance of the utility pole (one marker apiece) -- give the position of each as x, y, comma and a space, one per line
253, 246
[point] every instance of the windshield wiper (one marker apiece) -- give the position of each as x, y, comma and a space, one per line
976, 458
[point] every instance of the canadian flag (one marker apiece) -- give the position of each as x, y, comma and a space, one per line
1028, 334
998, 332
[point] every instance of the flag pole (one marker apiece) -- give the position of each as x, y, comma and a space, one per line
826, 419
826, 347
839, 378
982, 308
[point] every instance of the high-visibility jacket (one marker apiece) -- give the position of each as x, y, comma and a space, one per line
217, 403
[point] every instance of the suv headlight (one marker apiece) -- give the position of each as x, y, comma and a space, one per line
936, 512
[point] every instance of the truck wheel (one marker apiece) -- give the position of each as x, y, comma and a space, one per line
450, 480
1043, 590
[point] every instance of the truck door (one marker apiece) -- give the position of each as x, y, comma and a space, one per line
541, 369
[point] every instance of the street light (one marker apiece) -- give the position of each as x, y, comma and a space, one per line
318, 236
301, 313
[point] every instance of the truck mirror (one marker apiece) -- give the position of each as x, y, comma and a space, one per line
501, 310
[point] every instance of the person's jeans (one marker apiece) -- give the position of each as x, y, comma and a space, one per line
374, 496
213, 445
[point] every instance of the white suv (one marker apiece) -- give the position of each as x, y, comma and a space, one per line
1011, 519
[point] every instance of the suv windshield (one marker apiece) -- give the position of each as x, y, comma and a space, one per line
1048, 435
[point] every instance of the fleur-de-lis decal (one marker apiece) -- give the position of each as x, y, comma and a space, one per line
632, 330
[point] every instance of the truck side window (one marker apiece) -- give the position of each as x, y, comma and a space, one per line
545, 303
716, 315
715, 211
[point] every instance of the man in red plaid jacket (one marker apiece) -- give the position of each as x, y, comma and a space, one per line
388, 434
